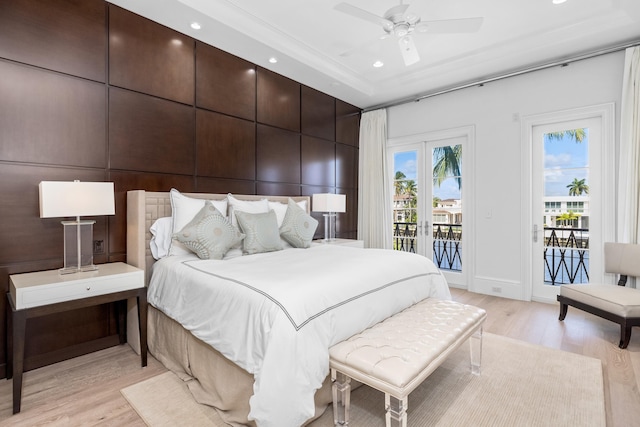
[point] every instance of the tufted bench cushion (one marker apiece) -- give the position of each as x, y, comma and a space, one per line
396, 355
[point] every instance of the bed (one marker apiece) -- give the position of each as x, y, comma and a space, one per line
252, 332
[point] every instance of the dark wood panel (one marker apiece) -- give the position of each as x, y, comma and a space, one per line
50, 118
223, 186
125, 181
346, 166
278, 155
150, 134
347, 222
24, 236
318, 114
226, 146
318, 162
62, 35
347, 123
150, 58
225, 83
278, 189
278, 100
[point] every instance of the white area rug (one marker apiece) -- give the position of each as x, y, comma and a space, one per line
521, 385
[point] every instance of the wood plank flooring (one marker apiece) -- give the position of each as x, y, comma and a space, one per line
86, 390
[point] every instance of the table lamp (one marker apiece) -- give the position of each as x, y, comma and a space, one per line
64, 199
330, 204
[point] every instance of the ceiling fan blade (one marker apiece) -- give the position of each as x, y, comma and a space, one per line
361, 13
396, 10
464, 25
408, 50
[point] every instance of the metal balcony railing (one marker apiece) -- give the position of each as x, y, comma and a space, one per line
447, 239
566, 255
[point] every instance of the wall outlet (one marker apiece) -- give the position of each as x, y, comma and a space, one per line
98, 246
497, 289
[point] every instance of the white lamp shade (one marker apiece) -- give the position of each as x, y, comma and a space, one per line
66, 198
329, 202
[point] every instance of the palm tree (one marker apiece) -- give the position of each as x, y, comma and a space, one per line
399, 182
577, 187
447, 164
576, 134
567, 217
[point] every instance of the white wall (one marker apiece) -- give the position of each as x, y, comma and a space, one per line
495, 110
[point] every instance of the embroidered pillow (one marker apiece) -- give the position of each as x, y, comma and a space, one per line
209, 234
183, 209
261, 232
298, 227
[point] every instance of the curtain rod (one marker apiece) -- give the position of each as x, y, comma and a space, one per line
562, 63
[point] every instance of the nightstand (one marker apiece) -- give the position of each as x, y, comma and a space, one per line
47, 292
342, 242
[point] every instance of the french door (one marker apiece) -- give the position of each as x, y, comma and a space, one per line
571, 199
428, 201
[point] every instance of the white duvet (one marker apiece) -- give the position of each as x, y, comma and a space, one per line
276, 314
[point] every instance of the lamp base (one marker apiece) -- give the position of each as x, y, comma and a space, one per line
329, 227
78, 247
71, 270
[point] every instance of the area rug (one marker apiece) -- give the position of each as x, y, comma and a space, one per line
521, 385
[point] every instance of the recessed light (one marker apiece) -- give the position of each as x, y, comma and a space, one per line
195, 26
558, 1
273, 59
378, 64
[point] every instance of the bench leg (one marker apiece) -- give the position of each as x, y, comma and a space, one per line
341, 389
396, 411
475, 346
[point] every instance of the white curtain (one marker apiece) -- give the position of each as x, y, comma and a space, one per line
629, 169
374, 199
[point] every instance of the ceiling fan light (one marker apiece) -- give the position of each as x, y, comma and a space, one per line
401, 29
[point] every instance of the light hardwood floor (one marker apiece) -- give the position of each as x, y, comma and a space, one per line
86, 390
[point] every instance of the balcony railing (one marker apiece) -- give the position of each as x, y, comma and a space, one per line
566, 250
446, 243
566, 255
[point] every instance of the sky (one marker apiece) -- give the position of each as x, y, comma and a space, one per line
406, 162
564, 160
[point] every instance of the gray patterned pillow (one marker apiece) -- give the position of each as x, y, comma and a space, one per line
298, 227
261, 232
209, 234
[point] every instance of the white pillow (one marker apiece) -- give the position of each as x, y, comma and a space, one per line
281, 209
253, 206
183, 209
160, 237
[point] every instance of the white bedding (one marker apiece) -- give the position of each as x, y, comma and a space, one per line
276, 314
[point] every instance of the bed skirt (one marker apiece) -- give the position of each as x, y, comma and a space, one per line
213, 379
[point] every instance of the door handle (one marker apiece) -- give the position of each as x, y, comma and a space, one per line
420, 228
535, 233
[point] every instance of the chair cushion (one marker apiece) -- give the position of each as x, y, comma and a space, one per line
619, 300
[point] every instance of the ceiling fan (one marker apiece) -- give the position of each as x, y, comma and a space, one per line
400, 24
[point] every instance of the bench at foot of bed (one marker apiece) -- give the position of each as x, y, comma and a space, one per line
397, 355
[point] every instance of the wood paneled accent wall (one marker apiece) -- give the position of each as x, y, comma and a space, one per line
93, 92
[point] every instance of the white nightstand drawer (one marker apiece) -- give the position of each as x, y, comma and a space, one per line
47, 287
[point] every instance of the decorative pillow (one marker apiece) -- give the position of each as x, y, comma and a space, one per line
298, 227
249, 206
160, 237
209, 234
281, 209
261, 232
183, 209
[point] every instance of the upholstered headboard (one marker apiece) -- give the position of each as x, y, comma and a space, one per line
144, 207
